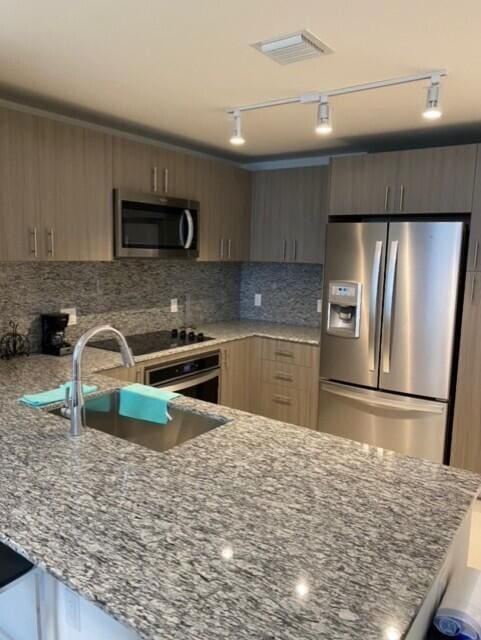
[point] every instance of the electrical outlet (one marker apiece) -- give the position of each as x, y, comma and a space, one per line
72, 609
174, 305
257, 299
72, 315
319, 306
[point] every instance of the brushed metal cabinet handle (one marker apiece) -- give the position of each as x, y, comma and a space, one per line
295, 250
475, 260
284, 252
166, 181
473, 288
221, 248
229, 248
282, 399
154, 179
386, 198
34, 234
287, 354
287, 377
401, 198
51, 237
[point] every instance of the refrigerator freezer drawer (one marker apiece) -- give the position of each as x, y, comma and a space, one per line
407, 425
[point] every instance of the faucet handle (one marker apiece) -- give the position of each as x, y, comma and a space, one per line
67, 403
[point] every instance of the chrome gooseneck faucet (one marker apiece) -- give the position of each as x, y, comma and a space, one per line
77, 399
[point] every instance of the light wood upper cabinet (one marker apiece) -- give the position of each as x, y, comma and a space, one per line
466, 444
474, 250
75, 192
134, 166
19, 186
363, 183
55, 190
437, 180
289, 209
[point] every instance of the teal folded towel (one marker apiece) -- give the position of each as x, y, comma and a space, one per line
54, 395
145, 403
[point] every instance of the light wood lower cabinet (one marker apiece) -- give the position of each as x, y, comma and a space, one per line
285, 380
466, 443
236, 374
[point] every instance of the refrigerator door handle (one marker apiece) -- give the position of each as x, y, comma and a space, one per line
365, 397
388, 306
376, 270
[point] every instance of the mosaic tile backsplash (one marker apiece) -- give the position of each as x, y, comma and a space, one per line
134, 295
289, 292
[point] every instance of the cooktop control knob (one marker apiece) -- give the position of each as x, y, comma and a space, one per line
182, 334
191, 336
174, 333
200, 337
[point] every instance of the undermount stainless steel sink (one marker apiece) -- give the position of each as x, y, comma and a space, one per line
102, 413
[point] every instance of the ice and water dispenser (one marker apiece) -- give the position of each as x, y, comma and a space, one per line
344, 308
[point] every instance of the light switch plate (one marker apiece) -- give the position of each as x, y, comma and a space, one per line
72, 315
257, 299
174, 305
319, 306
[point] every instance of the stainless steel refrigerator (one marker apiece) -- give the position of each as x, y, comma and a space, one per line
388, 333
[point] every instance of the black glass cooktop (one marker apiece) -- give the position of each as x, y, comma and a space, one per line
141, 343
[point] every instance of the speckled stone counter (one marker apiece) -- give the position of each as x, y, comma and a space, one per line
254, 530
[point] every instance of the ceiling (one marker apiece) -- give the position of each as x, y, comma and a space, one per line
170, 68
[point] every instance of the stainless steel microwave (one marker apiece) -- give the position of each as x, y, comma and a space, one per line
153, 226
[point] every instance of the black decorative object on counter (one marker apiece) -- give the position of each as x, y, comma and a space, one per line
14, 344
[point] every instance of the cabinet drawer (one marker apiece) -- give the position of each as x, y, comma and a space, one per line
286, 375
285, 404
288, 352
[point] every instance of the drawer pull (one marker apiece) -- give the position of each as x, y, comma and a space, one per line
282, 399
279, 375
286, 354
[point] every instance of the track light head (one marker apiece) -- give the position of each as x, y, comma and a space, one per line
324, 125
433, 107
236, 138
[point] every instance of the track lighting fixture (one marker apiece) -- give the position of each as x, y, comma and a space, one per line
433, 108
323, 116
237, 138
321, 98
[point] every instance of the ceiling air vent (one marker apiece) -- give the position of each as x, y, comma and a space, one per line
294, 47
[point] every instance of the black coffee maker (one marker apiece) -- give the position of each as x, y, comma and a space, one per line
53, 334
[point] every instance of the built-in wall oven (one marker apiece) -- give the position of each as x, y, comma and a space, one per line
153, 226
196, 377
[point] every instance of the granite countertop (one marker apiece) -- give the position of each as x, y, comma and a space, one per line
257, 529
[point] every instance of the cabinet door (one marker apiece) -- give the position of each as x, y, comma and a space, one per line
236, 374
466, 444
75, 192
236, 214
307, 214
363, 184
438, 180
19, 186
134, 166
474, 257
269, 223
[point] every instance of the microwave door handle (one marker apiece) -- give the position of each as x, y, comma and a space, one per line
388, 307
376, 270
190, 227
363, 396
181, 229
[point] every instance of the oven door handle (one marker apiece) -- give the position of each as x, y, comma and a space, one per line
190, 229
190, 382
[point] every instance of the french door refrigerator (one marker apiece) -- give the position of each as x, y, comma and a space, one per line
388, 333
